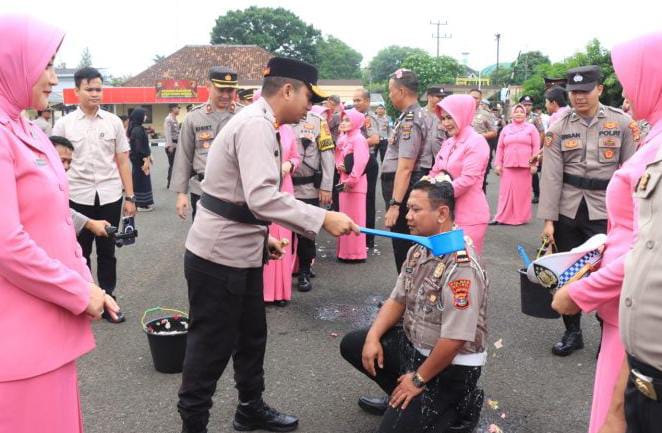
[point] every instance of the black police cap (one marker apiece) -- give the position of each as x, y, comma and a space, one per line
583, 79
526, 99
290, 68
437, 90
220, 77
245, 94
551, 82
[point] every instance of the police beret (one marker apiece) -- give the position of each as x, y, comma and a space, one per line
220, 76
583, 79
290, 68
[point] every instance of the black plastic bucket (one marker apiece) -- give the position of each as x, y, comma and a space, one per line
167, 339
536, 300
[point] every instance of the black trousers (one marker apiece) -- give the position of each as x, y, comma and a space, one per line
642, 414
370, 210
171, 161
535, 183
400, 247
306, 249
335, 194
432, 411
226, 308
493, 144
569, 233
383, 144
194, 204
106, 261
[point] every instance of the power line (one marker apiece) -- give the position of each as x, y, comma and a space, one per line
438, 36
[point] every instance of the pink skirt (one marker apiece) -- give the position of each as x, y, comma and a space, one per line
277, 274
476, 233
352, 247
49, 403
514, 196
610, 361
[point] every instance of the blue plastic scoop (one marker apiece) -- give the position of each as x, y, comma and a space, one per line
440, 244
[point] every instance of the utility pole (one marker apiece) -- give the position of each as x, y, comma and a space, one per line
498, 40
438, 36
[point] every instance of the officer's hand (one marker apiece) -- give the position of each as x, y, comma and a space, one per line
96, 302
338, 224
391, 216
405, 392
498, 170
562, 303
548, 230
325, 198
129, 208
182, 205
372, 352
276, 248
97, 227
534, 169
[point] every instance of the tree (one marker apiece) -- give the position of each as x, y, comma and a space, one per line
275, 29
337, 60
85, 59
433, 70
158, 58
502, 76
526, 64
389, 59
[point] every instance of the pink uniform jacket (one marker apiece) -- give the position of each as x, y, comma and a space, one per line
518, 142
354, 142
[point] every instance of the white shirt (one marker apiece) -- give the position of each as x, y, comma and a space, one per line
44, 125
93, 169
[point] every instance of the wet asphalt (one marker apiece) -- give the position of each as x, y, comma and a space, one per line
535, 392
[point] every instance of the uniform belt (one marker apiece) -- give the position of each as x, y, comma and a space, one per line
417, 174
234, 212
585, 183
303, 180
647, 379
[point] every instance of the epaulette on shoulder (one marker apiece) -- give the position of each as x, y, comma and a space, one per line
616, 110
462, 256
316, 115
409, 116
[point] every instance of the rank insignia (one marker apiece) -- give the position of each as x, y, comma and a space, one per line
643, 182
460, 289
461, 257
634, 127
432, 298
409, 116
608, 154
439, 271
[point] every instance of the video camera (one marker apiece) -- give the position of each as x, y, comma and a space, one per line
128, 234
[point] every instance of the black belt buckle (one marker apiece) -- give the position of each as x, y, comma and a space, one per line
644, 384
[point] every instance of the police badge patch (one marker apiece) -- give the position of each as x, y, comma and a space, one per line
549, 137
460, 289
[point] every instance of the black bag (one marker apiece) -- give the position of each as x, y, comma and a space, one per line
348, 162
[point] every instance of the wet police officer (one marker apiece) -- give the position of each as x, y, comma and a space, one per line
581, 152
430, 365
405, 161
201, 125
313, 182
228, 244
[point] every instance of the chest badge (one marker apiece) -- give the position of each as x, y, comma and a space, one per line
439, 271
643, 182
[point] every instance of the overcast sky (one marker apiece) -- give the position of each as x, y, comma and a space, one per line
125, 35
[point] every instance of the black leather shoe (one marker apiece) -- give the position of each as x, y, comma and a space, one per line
374, 405
571, 341
304, 284
535, 200
312, 273
468, 412
109, 318
494, 223
257, 415
281, 303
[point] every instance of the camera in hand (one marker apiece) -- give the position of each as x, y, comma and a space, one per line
127, 235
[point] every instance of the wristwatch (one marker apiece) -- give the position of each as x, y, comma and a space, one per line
392, 202
418, 381
130, 198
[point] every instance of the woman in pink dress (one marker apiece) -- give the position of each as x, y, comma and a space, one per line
637, 65
352, 197
518, 143
277, 274
464, 156
46, 290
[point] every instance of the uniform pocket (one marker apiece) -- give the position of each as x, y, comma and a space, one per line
431, 302
609, 150
573, 150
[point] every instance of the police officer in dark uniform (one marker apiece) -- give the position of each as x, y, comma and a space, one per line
581, 152
228, 244
405, 161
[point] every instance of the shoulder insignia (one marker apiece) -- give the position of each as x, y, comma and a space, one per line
460, 289
439, 270
409, 116
642, 183
462, 257
636, 133
324, 141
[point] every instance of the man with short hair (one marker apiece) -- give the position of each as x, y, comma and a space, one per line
384, 126
484, 124
556, 103
100, 170
200, 127
228, 244
405, 161
435, 94
43, 121
370, 131
171, 132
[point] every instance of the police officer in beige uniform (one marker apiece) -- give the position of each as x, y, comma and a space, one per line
313, 182
384, 126
640, 312
228, 244
485, 124
429, 366
535, 120
370, 130
201, 125
435, 94
581, 152
405, 161
171, 133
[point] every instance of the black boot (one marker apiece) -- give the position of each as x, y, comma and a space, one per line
468, 412
257, 415
304, 284
374, 405
572, 340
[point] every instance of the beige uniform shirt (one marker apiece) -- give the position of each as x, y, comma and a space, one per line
315, 147
444, 297
93, 169
383, 126
370, 127
44, 125
409, 139
483, 121
199, 129
640, 312
592, 150
171, 131
244, 167
536, 121
436, 136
